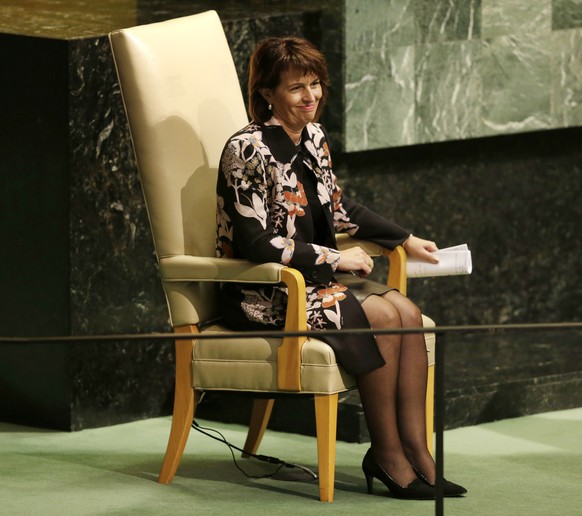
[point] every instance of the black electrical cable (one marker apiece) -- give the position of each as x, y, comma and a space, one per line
264, 458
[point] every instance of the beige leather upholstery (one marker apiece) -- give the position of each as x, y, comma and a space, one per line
245, 364
183, 102
251, 364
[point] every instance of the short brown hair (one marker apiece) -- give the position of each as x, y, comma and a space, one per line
271, 58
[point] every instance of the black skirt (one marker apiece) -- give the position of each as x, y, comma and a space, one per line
362, 287
357, 354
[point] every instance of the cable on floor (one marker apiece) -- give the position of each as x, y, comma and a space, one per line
264, 458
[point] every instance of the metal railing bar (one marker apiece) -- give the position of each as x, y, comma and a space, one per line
439, 330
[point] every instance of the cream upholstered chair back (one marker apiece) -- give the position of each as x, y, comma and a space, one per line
183, 101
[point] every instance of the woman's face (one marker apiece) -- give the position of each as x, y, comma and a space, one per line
295, 99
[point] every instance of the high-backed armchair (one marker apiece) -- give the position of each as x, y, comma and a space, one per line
183, 101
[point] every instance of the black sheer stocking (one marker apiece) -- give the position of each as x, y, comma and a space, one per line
393, 396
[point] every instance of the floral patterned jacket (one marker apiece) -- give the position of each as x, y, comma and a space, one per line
263, 216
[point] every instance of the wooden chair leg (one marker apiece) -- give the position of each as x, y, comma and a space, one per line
183, 407
326, 424
260, 416
430, 410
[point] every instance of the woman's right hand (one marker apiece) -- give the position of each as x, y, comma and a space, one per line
421, 249
356, 260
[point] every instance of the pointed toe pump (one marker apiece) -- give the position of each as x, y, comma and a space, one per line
449, 489
416, 490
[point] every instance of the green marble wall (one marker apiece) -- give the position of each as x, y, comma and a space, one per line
420, 71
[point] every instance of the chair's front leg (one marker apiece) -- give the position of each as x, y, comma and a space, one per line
183, 406
326, 424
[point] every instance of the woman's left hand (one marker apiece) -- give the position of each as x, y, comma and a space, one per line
421, 249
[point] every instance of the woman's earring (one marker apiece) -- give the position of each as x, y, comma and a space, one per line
270, 107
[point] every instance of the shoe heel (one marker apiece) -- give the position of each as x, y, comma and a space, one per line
369, 482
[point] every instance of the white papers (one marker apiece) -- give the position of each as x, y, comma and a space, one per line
453, 261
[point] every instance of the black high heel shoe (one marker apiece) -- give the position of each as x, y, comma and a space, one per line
449, 488
416, 490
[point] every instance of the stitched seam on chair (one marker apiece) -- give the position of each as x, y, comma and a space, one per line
234, 361
321, 366
242, 361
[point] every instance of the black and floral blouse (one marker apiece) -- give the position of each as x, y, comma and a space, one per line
267, 211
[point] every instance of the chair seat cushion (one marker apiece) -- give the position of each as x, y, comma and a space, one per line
250, 364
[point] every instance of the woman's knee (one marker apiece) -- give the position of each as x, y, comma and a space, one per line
411, 316
382, 313
410, 313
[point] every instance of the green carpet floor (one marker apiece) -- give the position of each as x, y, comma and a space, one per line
526, 466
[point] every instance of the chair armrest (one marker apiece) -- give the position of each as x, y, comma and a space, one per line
195, 268
345, 241
200, 268
397, 257
289, 353
397, 271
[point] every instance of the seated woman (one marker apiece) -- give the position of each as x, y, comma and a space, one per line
279, 201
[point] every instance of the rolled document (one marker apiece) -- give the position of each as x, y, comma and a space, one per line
453, 261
